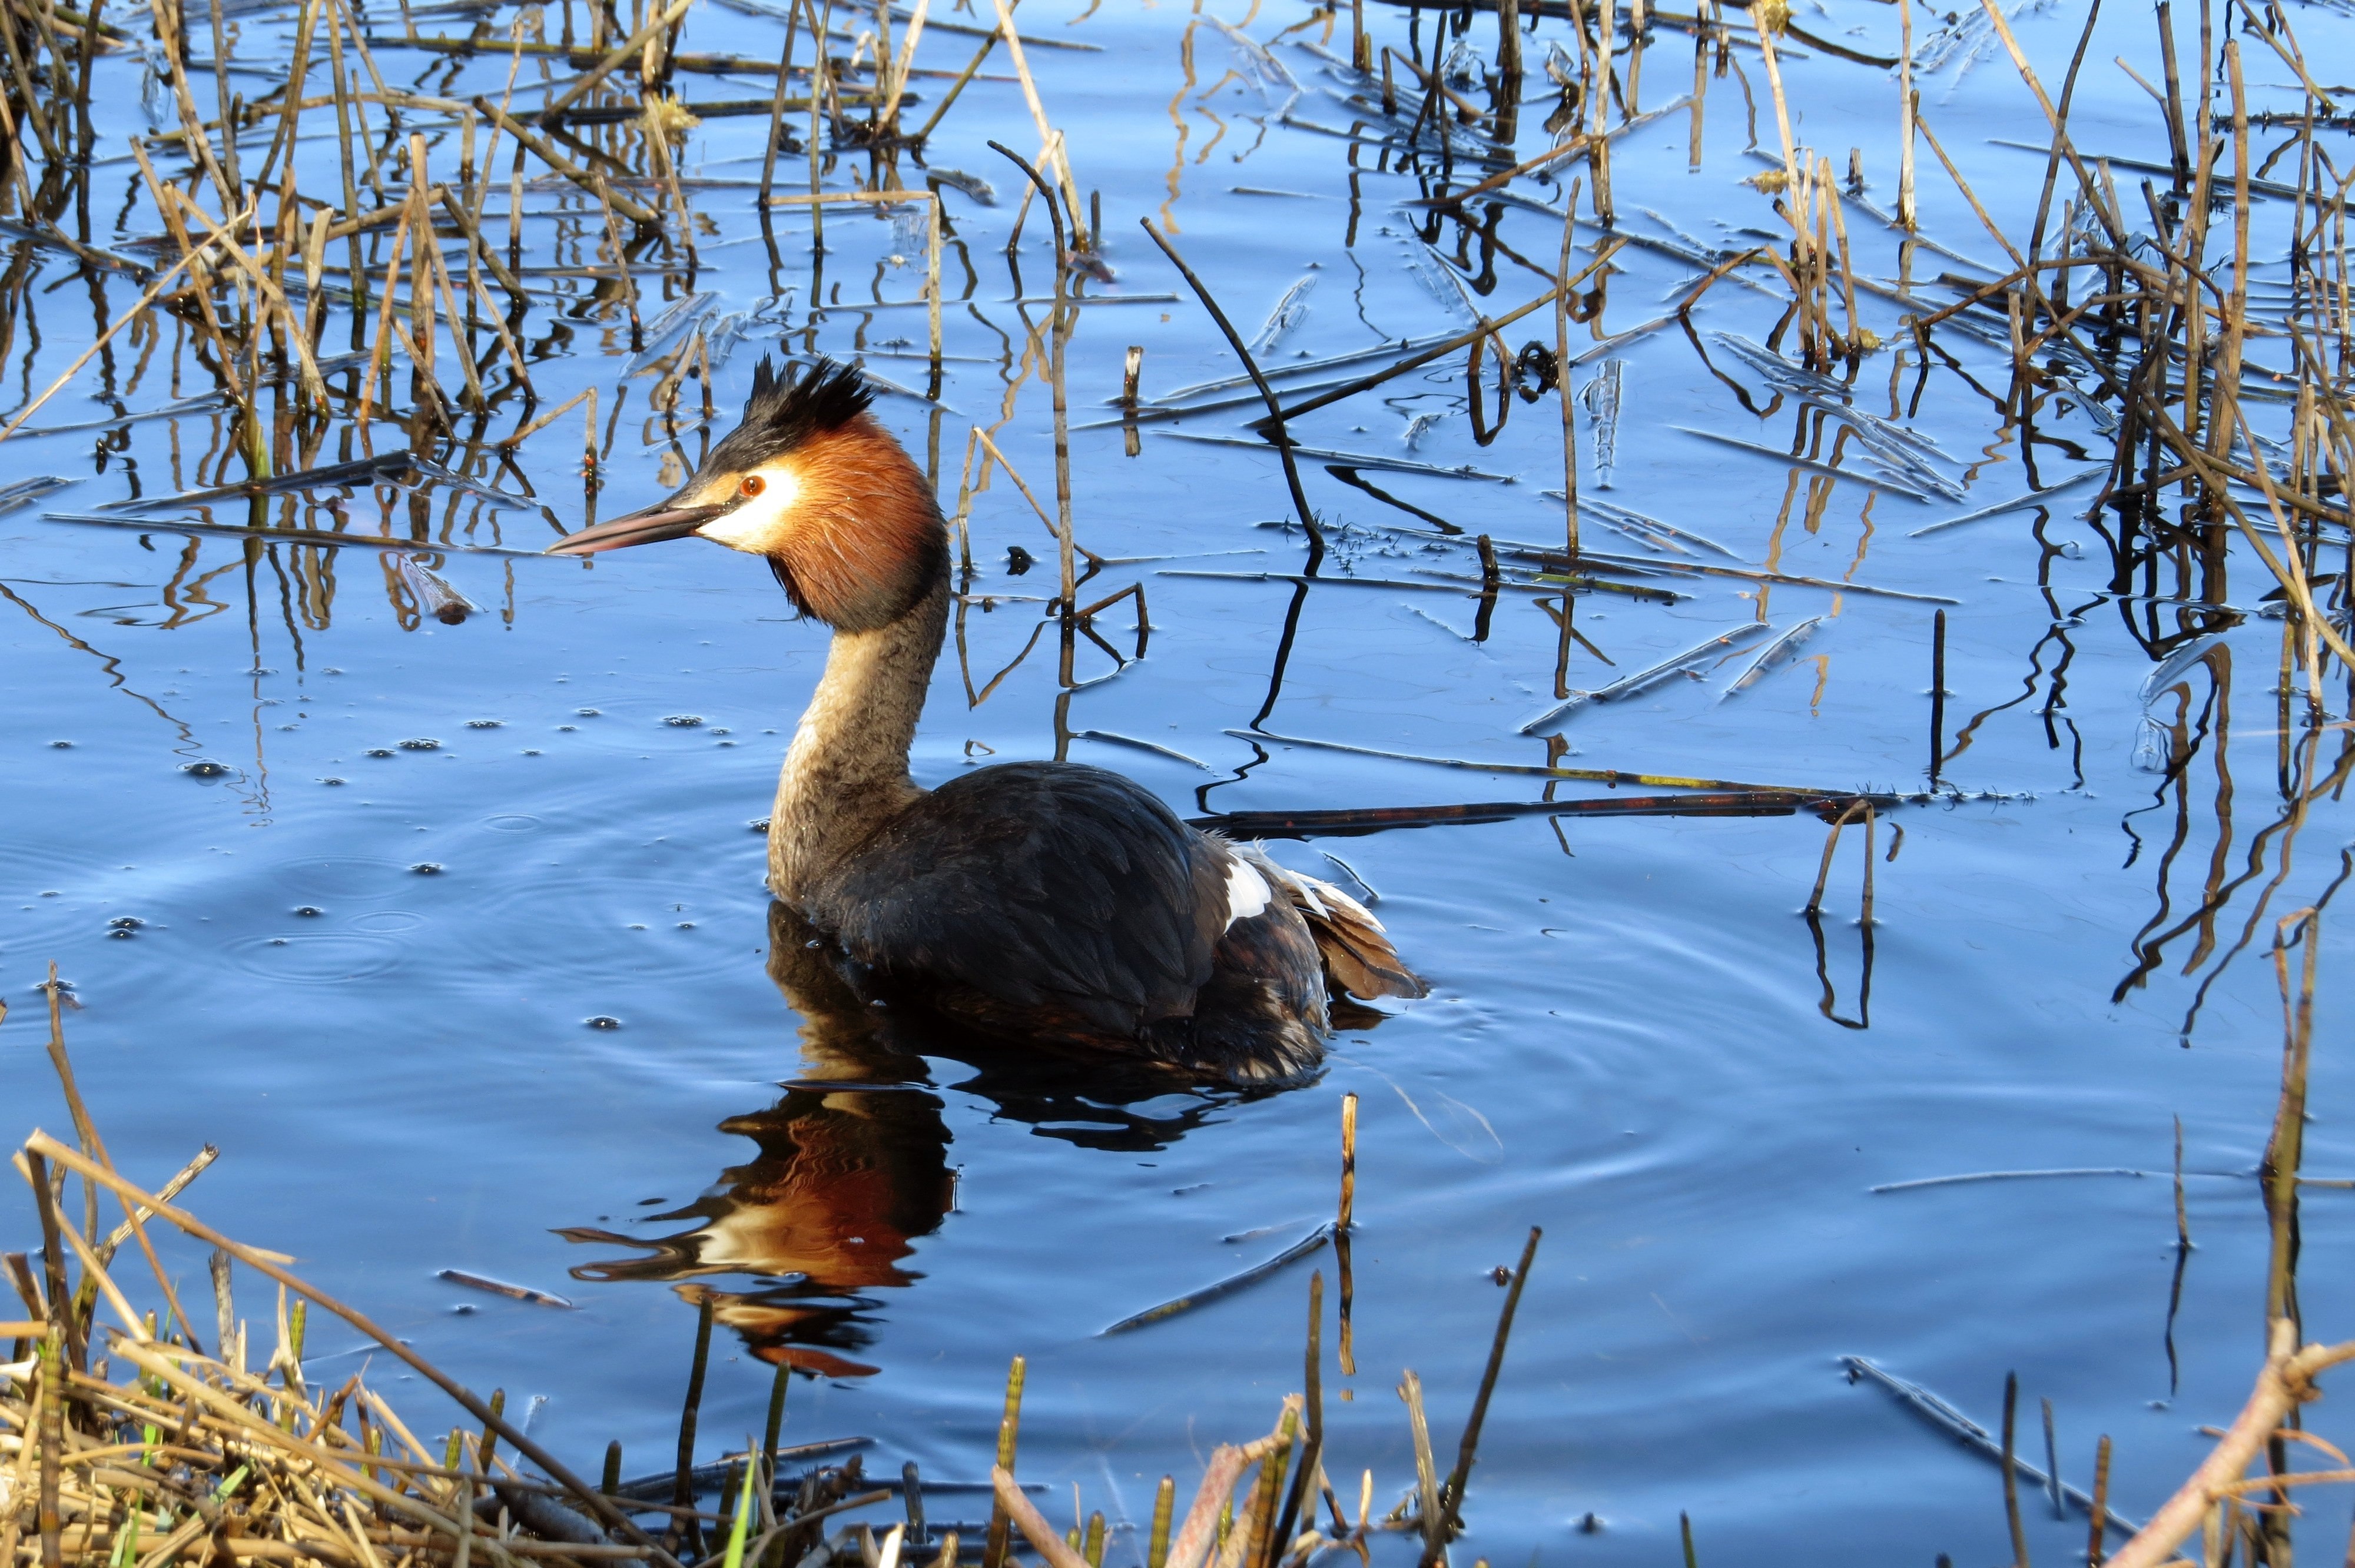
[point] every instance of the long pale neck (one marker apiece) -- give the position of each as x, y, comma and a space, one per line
846, 772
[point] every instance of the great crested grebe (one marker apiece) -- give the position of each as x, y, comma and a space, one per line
1047, 903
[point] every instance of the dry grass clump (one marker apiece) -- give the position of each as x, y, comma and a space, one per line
130, 1437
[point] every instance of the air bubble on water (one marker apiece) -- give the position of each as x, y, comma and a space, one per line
308, 910
604, 1021
62, 745
330, 781
421, 743
378, 751
683, 721
204, 769
589, 713
426, 868
485, 724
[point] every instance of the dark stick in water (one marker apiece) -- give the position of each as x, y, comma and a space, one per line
683, 1489
1226, 1286
2098, 1538
1279, 438
2011, 1473
1451, 1496
1937, 694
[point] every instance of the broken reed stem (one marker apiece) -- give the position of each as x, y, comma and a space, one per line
1342, 1225
2284, 1149
777, 105
605, 201
1058, 334
1051, 146
1905, 100
683, 1486
2011, 1472
1280, 438
1451, 1495
1426, 1473
2097, 1535
1009, 1429
1938, 695
1563, 383
1164, 1500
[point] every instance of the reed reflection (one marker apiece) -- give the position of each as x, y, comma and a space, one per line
852, 1167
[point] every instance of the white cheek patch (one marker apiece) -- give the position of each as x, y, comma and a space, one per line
1247, 891
758, 525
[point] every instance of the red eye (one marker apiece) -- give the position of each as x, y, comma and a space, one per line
753, 484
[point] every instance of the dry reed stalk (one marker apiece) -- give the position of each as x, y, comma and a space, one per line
314, 386
777, 104
1604, 253
283, 139
621, 261
1035, 1528
1343, 1224
159, 1361
1050, 149
627, 207
1059, 331
379, 347
31, 101
1856, 340
1906, 101
152, 292
228, 104
2057, 120
168, 34
889, 118
821, 84
630, 48
958, 85
1046, 519
541, 423
658, 144
1276, 413
441, 285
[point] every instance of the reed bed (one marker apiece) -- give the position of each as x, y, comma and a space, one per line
125, 1441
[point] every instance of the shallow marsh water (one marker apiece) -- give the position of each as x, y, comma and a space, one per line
460, 942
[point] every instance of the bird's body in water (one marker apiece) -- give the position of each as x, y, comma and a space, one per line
1042, 902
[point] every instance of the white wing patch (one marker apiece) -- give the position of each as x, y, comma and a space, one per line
1247, 890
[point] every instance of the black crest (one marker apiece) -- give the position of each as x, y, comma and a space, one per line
785, 411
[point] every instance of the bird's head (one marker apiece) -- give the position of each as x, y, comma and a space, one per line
811, 484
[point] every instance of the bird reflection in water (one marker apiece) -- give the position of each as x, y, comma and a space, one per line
852, 1164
